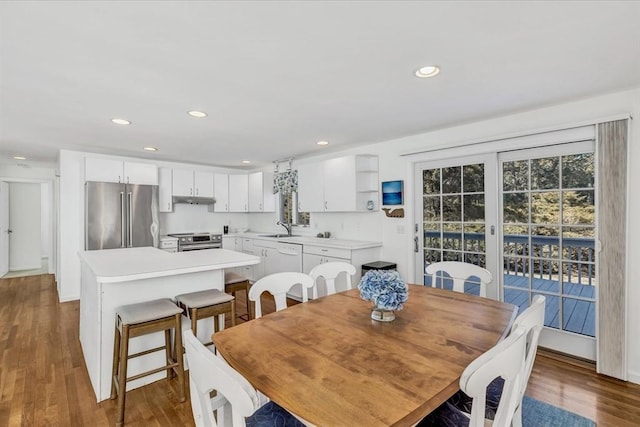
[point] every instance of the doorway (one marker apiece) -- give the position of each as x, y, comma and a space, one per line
26, 242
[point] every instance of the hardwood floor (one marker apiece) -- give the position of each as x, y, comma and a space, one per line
43, 380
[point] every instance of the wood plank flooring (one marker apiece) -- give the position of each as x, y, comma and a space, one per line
43, 380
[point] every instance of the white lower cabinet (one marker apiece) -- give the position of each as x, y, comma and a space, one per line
316, 255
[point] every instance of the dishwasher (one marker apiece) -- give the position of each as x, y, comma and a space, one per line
287, 257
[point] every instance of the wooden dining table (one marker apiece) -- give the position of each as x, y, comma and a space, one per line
330, 364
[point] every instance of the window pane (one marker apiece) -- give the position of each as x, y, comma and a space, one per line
516, 208
545, 173
452, 180
431, 208
474, 208
473, 178
452, 208
578, 171
431, 181
515, 176
545, 208
578, 207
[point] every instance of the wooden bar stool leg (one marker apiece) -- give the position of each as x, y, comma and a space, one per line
122, 374
180, 358
116, 361
168, 352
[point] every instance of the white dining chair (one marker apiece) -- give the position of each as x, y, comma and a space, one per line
236, 403
459, 272
532, 320
278, 285
329, 271
506, 360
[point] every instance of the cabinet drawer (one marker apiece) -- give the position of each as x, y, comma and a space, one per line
247, 244
168, 244
332, 252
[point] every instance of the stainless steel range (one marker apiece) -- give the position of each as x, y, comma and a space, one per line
197, 241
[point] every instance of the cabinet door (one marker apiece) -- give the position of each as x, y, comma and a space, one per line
238, 193
340, 184
103, 170
140, 173
255, 192
203, 183
165, 191
311, 187
182, 182
221, 192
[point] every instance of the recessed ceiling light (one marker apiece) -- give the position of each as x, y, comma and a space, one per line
322, 142
198, 114
150, 149
428, 71
246, 162
19, 158
121, 121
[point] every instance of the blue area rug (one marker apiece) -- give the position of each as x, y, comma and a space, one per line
540, 414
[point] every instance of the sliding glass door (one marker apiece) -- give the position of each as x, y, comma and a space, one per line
548, 239
528, 216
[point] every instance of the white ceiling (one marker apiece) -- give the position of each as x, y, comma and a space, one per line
275, 77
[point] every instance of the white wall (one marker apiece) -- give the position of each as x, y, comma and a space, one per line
187, 218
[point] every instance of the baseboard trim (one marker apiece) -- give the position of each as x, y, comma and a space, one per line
23, 267
633, 377
67, 298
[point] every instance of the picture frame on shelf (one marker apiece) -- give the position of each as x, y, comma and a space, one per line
393, 193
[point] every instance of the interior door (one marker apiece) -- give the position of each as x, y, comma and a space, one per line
4, 228
26, 226
456, 213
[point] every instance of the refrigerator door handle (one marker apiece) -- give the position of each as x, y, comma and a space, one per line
123, 230
130, 219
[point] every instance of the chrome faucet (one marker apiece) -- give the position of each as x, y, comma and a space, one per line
286, 226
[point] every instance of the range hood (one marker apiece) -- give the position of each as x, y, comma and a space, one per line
194, 200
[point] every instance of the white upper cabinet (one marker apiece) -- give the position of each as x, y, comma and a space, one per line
261, 197
203, 184
343, 184
221, 192
238, 193
112, 170
310, 187
189, 183
165, 191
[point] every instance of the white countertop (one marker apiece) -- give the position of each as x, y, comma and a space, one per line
127, 264
313, 241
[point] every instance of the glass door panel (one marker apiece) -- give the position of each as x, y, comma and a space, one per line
548, 234
453, 218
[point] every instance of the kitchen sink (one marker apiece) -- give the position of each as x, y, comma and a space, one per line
279, 236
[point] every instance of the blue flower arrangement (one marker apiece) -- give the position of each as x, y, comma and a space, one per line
385, 288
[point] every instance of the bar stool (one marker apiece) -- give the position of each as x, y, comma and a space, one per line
234, 282
134, 320
209, 303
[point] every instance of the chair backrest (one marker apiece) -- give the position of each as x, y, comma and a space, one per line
532, 320
506, 360
459, 272
207, 372
278, 285
329, 271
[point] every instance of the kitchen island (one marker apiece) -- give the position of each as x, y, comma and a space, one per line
115, 277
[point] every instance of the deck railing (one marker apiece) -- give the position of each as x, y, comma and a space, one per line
578, 254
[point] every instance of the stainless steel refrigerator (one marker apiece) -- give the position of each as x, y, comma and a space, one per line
120, 215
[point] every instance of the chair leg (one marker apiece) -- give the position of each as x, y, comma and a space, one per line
249, 303
194, 321
122, 375
233, 312
180, 358
116, 359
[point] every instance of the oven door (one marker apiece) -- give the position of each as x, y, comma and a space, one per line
199, 246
